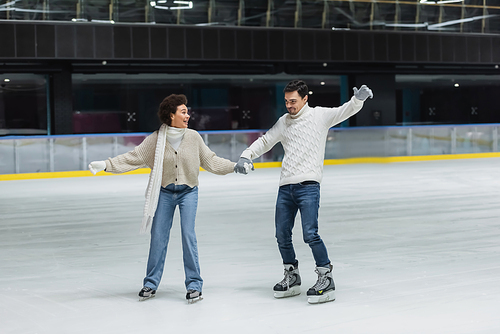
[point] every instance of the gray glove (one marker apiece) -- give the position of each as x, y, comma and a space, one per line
363, 93
243, 166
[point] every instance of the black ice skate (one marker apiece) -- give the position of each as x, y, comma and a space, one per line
324, 289
193, 296
290, 285
146, 293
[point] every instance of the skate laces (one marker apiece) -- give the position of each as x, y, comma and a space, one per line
321, 282
286, 280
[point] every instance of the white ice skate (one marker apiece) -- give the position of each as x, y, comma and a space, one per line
324, 289
328, 296
292, 291
290, 285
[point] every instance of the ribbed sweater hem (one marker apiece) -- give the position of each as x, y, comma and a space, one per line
300, 178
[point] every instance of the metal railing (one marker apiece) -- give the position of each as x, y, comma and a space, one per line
22, 154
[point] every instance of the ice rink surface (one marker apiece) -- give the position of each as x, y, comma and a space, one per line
416, 249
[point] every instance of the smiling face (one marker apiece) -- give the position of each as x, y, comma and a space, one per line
181, 117
294, 102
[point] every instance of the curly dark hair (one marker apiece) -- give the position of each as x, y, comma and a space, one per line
169, 106
297, 85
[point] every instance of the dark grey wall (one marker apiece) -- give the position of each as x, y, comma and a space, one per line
368, 57
62, 101
92, 41
381, 110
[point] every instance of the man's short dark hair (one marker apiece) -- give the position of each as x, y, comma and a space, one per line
298, 86
169, 106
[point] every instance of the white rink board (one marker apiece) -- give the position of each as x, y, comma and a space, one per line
416, 249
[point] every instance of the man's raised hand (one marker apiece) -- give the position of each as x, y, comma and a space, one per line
363, 93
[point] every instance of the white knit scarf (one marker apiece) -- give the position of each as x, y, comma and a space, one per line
155, 177
154, 184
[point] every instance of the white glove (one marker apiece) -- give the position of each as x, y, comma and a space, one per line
248, 167
363, 93
97, 166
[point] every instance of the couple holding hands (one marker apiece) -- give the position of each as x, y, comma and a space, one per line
175, 154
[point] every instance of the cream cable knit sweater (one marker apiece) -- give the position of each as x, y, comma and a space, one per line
303, 137
179, 167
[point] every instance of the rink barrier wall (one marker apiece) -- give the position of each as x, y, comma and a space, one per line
62, 154
259, 165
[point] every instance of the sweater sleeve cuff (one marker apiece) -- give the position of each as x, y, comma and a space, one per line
108, 166
247, 154
357, 101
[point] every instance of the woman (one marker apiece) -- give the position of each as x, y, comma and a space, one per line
174, 153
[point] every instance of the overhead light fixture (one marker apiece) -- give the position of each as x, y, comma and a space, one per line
9, 3
182, 5
8, 7
439, 2
188, 5
452, 22
437, 26
103, 21
457, 85
6, 80
322, 83
310, 92
408, 25
91, 20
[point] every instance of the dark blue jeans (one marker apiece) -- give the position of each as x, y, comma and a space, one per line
303, 197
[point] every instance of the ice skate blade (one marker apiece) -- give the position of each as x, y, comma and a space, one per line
293, 291
324, 298
194, 300
141, 299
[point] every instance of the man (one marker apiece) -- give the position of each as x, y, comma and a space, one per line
302, 132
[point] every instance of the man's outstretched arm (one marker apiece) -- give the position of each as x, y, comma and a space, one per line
333, 116
257, 148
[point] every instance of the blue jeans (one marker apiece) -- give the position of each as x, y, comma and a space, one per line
187, 200
303, 197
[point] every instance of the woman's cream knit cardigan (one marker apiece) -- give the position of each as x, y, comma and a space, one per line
179, 167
